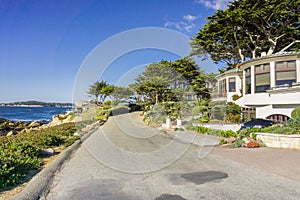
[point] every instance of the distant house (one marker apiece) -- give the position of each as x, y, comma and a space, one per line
81, 106
271, 86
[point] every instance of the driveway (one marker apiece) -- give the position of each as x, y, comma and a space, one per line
124, 159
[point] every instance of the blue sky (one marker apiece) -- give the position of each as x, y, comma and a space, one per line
44, 43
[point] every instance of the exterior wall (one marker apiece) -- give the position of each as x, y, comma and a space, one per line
266, 111
280, 101
298, 70
279, 140
238, 88
261, 99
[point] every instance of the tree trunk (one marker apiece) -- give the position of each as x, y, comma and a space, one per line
272, 46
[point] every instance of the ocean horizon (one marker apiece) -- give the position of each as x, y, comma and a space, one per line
28, 113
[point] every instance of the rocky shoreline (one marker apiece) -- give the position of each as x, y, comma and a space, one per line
9, 127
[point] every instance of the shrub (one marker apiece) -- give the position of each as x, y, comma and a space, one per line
222, 133
235, 97
201, 129
296, 113
20, 153
228, 133
199, 110
233, 112
203, 119
135, 107
254, 136
238, 142
222, 141
235, 118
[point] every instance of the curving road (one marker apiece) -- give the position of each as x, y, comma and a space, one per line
124, 159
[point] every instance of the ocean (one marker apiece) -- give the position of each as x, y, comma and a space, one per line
18, 113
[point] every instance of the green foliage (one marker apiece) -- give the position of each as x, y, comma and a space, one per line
218, 110
202, 129
291, 127
172, 110
228, 133
95, 90
222, 133
238, 142
191, 128
169, 81
247, 28
296, 113
135, 107
254, 136
108, 103
235, 118
156, 114
204, 119
187, 107
233, 112
235, 97
222, 141
20, 153
120, 93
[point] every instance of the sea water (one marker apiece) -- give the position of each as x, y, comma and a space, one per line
24, 113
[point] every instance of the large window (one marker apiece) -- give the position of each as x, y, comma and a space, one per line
232, 87
222, 88
285, 73
248, 80
262, 78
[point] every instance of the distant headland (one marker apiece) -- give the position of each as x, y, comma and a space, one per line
37, 104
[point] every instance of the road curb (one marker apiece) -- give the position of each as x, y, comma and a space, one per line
38, 186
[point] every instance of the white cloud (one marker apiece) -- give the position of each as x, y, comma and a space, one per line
214, 4
184, 25
189, 17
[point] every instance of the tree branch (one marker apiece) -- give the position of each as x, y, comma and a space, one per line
288, 46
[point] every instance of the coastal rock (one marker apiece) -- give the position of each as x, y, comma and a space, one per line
62, 119
10, 133
47, 152
253, 144
34, 124
76, 134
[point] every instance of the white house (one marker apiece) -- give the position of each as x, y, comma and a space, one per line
271, 86
229, 83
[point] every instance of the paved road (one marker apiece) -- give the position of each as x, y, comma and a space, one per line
124, 159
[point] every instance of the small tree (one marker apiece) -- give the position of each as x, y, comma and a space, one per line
233, 112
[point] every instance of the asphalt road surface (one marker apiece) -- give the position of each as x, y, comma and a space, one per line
124, 159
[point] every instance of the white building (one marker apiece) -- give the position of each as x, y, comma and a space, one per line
229, 83
271, 86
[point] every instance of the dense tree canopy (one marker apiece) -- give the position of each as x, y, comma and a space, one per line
100, 90
249, 27
167, 81
120, 93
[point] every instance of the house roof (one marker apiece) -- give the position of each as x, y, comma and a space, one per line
233, 71
273, 57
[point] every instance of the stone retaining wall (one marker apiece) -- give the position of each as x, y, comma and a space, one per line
279, 140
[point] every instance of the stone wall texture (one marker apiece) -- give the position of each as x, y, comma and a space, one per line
279, 140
